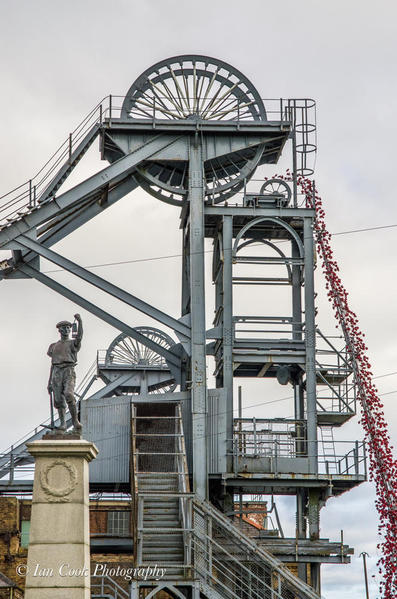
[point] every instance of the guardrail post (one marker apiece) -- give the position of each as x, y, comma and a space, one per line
255, 441
356, 465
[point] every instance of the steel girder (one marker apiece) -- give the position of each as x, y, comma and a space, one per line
90, 188
181, 329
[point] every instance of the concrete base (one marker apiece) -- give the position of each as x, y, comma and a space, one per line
59, 546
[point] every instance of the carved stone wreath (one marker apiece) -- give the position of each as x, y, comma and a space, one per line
54, 493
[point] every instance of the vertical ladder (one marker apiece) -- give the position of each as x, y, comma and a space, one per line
328, 446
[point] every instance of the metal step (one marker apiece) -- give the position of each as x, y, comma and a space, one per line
154, 524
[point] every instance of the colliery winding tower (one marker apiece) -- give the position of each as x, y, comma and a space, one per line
192, 132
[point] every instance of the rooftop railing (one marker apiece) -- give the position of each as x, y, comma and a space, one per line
298, 113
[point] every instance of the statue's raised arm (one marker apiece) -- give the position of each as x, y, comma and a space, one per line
79, 335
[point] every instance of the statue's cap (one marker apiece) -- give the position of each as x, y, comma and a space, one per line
64, 323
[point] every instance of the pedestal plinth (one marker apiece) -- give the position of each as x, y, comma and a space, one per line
59, 545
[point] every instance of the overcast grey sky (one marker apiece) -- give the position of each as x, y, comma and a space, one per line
59, 58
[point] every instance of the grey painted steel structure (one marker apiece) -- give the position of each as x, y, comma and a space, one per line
191, 132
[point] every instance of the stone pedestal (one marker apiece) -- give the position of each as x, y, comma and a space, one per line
59, 545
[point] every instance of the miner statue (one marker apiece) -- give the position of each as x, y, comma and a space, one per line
62, 379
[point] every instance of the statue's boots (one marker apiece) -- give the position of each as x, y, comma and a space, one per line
62, 418
73, 412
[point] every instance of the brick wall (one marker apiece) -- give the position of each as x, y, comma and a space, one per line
11, 554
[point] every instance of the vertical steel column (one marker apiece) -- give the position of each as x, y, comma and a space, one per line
310, 342
185, 299
301, 527
197, 305
314, 533
228, 330
296, 294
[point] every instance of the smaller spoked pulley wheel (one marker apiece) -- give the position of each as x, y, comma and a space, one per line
278, 188
126, 351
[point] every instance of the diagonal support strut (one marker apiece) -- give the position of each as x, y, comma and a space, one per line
170, 356
182, 329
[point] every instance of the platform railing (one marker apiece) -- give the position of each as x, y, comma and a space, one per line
336, 388
275, 328
300, 112
258, 438
30, 193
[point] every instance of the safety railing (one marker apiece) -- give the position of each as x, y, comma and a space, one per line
275, 328
354, 462
185, 507
12, 463
269, 193
32, 192
258, 438
336, 388
134, 485
104, 587
301, 113
234, 566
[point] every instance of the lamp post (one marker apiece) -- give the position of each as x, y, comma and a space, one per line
365, 555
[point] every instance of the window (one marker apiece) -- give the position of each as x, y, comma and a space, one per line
119, 523
25, 531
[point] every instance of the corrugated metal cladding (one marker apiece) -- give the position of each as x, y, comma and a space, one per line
107, 423
216, 430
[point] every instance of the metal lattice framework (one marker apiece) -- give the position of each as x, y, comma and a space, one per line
191, 131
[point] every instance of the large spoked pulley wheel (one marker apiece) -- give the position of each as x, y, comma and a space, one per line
200, 89
126, 351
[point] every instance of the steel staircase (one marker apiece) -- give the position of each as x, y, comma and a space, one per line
104, 587
162, 539
161, 488
189, 537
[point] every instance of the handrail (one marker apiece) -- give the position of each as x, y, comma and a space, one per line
225, 570
107, 587
184, 487
134, 490
27, 195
